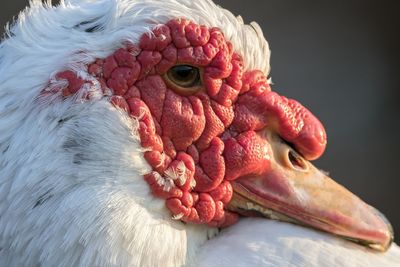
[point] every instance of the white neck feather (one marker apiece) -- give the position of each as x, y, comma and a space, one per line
81, 198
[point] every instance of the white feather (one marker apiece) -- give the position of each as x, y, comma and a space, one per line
267, 243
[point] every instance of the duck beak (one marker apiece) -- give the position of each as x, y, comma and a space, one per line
294, 190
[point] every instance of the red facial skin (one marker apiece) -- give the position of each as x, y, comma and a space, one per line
213, 132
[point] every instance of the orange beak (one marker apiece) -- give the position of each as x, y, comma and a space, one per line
294, 190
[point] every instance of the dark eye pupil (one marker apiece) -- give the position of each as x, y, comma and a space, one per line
184, 72
184, 76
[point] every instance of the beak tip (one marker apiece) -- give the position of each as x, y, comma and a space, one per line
389, 233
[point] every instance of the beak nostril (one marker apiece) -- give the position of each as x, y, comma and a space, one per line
296, 161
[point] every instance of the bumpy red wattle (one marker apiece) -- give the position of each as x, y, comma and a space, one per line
198, 142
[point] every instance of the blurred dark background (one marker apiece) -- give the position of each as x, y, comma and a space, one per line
341, 59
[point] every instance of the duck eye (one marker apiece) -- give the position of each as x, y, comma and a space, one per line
184, 78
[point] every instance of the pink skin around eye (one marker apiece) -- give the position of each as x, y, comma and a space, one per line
201, 141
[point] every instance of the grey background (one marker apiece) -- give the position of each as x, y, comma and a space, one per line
341, 60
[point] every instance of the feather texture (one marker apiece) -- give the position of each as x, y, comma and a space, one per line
259, 242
